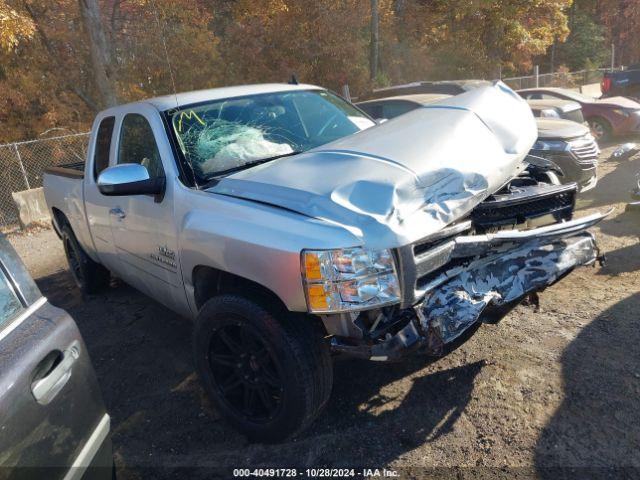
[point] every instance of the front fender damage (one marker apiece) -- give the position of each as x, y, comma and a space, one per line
501, 280
483, 288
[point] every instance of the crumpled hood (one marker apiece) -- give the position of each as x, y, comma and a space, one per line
404, 179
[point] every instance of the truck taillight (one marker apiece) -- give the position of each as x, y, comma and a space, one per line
605, 85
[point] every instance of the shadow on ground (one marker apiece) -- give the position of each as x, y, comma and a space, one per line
615, 188
161, 419
598, 424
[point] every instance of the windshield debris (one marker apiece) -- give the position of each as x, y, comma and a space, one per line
223, 136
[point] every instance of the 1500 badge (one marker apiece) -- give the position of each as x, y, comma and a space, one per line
166, 256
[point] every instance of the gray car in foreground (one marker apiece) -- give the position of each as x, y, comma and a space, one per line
289, 226
571, 146
53, 423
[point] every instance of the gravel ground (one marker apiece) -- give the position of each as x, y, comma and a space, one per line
558, 387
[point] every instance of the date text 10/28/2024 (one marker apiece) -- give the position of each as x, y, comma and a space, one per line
315, 473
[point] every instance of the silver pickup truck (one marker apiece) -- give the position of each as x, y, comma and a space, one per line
290, 226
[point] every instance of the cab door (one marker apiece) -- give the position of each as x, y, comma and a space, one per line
143, 226
53, 423
98, 206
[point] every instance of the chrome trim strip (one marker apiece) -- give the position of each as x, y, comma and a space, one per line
89, 450
562, 228
10, 327
434, 258
445, 232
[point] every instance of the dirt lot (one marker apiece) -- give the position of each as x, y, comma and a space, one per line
539, 390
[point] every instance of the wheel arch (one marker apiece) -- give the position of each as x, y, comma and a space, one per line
59, 220
209, 282
606, 125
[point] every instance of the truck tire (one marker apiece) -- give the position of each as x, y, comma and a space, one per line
600, 129
90, 276
269, 377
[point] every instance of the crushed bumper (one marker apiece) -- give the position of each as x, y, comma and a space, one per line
505, 268
501, 280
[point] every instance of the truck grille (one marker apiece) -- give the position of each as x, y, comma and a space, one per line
513, 206
585, 150
497, 213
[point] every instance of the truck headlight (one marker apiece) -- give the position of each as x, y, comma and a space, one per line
349, 279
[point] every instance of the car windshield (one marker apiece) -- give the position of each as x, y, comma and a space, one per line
224, 136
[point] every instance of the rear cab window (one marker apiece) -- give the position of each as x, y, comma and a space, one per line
103, 146
397, 108
374, 110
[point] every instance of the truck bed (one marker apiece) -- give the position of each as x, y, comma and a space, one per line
625, 83
64, 192
70, 170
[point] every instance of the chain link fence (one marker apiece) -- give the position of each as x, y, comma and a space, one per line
22, 165
557, 79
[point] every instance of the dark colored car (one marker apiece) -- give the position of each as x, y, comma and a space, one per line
53, 423
568, 144
564, 109
607, 117
625, 83
446, 87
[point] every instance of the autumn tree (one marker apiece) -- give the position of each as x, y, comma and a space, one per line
64, 60
621, 21
48, 74
321, 42
482, 38
14, 27
101, 54
586, 45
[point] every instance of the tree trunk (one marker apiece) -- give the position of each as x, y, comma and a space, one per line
375, 41
100, 52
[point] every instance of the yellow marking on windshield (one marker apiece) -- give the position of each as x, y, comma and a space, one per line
189, 115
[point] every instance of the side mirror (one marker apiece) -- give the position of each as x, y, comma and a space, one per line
129, 179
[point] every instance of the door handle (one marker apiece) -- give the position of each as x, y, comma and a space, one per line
118, 212
46, 388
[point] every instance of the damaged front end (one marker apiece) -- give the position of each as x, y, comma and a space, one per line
473, 272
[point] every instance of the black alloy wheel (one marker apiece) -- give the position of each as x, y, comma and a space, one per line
267, 371
245, 372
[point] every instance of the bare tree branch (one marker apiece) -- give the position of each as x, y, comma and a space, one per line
52, 54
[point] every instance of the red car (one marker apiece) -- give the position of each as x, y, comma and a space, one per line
607, 117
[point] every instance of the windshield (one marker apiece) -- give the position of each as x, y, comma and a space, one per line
221, 136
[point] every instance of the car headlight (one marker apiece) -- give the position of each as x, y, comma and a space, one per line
550, 145
548, 113
349, 279
623, 112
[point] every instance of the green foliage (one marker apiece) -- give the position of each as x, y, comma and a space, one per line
586, 46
